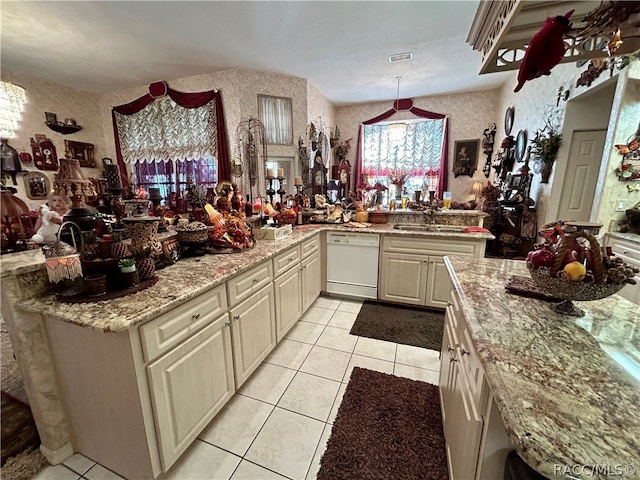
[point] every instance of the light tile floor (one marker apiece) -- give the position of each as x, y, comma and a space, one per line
277, 425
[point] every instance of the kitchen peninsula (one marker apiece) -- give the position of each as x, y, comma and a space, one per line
126, 352
567, 389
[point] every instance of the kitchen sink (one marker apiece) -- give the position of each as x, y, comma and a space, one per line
429, 228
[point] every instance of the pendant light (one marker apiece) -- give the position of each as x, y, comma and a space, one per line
397, 130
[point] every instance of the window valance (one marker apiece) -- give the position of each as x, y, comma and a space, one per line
185, 126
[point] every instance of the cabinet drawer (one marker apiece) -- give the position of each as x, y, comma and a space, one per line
285, 260
310, 246
243, 285
166, 331
424, 246
626, 250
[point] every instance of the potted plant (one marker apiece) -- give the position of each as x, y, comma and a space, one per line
128, 271
545, 146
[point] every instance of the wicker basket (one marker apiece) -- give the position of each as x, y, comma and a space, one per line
378, 216
547, 278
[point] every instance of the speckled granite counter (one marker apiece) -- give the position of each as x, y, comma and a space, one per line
568, 389
177, 283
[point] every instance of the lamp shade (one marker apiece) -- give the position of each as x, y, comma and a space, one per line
477, 187
12, 102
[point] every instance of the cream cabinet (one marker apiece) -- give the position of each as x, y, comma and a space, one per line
412, 269
310, 268
253, 330
462, 421
137, 399
288, 298
629, 251
189, 385
475, 439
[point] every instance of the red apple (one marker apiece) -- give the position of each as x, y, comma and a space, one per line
540, 258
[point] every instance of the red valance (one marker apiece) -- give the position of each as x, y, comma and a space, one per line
186, 100
407, 104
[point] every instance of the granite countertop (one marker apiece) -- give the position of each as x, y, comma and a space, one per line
177, 283
567, 388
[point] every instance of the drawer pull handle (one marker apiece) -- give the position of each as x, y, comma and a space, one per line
256, 280
195, 316
290, 259
450, 348
464, 352
236, 317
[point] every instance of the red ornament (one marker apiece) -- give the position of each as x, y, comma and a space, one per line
545, 50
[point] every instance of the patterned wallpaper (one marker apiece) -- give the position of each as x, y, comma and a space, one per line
538, 95
43, 96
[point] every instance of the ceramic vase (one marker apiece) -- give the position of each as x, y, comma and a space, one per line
146, 268
119, 250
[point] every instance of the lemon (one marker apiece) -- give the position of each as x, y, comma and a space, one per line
574, 271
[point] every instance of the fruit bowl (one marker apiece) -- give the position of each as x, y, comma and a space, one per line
553, 281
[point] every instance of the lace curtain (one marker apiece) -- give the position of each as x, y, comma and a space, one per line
276, 116
164, 130
415, 155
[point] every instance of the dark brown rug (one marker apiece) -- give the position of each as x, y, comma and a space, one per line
19, 431
400, 324
387, 427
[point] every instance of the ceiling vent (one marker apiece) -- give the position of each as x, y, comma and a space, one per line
400, 57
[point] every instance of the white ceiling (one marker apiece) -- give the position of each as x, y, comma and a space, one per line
341, 47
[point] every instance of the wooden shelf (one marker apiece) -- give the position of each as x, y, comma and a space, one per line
64, 129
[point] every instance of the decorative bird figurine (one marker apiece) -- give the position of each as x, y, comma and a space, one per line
545, 50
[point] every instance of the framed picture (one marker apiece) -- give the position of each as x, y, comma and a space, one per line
36, 185
81, 151
466, 157
51, 118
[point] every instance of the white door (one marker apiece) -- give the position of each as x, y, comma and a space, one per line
578, 190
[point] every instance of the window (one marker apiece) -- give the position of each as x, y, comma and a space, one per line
172, 177
407, 153
276, 116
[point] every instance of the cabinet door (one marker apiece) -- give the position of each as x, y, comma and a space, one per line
253, 331
438, 283
310, 280
288, 290
189, 385
403, 278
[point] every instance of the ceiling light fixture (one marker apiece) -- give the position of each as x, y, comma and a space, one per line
12, 101
397, 130
400, 57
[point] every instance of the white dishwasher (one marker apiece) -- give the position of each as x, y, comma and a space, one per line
352, 264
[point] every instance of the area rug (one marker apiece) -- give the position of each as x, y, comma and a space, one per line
400, 324
387, 427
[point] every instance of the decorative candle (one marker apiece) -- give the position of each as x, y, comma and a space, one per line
298, 181
280, 173
270, 173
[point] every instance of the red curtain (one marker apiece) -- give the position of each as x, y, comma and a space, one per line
407, 104
186, 100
